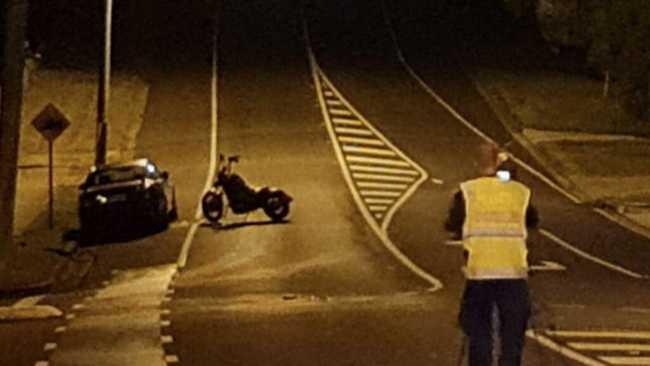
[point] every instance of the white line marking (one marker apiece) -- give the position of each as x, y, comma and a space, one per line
565, 351
390, 178
70, 316
78, 307
386, 201
382, 185
346, 121
454, 243
166, 339
548, 266
214, 112
368, 150
361, 141
42, 363
633, 309
378, 161
598, 334
49, 346
60, 329
636, 361
171, 359
437, 181
28, 301
328, 93
635, 228
364, 193
380, 231
590, 257
165, 312
333, 102
340, 112
377, 208
377, 169
353, 131
165, 323
595, 346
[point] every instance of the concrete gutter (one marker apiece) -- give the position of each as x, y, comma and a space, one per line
28, 309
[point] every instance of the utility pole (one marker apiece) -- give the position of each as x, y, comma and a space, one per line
104, 88
14, 14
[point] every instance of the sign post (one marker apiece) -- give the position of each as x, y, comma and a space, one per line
51, 123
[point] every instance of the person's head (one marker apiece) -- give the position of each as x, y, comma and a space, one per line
490, 156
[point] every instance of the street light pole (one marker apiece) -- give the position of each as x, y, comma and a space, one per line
104, 89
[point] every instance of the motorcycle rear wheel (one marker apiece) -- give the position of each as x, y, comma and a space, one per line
276, 207
212, 206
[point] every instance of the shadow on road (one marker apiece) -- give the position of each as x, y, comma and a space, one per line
236, 225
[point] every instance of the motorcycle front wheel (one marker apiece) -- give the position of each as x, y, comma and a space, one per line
276, 207
212, 206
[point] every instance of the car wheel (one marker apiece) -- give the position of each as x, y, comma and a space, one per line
173, 214
163, 216
86, 236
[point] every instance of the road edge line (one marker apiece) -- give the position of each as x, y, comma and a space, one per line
214, 113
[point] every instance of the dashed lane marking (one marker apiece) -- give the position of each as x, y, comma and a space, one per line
139, 290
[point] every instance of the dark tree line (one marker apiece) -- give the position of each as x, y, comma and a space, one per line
615, 36
619, 32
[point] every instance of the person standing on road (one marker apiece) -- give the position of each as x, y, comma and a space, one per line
491, 214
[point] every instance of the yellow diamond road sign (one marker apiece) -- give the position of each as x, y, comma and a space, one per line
50, 122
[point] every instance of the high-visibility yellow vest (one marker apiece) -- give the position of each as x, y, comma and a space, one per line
494, 231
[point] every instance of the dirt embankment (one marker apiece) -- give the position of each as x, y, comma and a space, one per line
73, 93
590, 144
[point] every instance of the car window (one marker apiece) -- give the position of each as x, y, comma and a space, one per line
120, 174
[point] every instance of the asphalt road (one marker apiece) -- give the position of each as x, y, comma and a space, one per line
353, 277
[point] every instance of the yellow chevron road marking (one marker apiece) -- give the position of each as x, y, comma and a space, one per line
378, 218
365, 149
619, 347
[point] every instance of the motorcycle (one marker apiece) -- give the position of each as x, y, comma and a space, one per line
241, 197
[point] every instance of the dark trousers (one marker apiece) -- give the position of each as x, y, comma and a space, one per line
511, 300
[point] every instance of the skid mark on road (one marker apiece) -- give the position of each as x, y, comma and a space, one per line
598, 348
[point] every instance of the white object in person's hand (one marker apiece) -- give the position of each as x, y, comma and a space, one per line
503, 175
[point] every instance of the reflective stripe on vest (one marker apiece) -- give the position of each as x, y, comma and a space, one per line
494, 230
